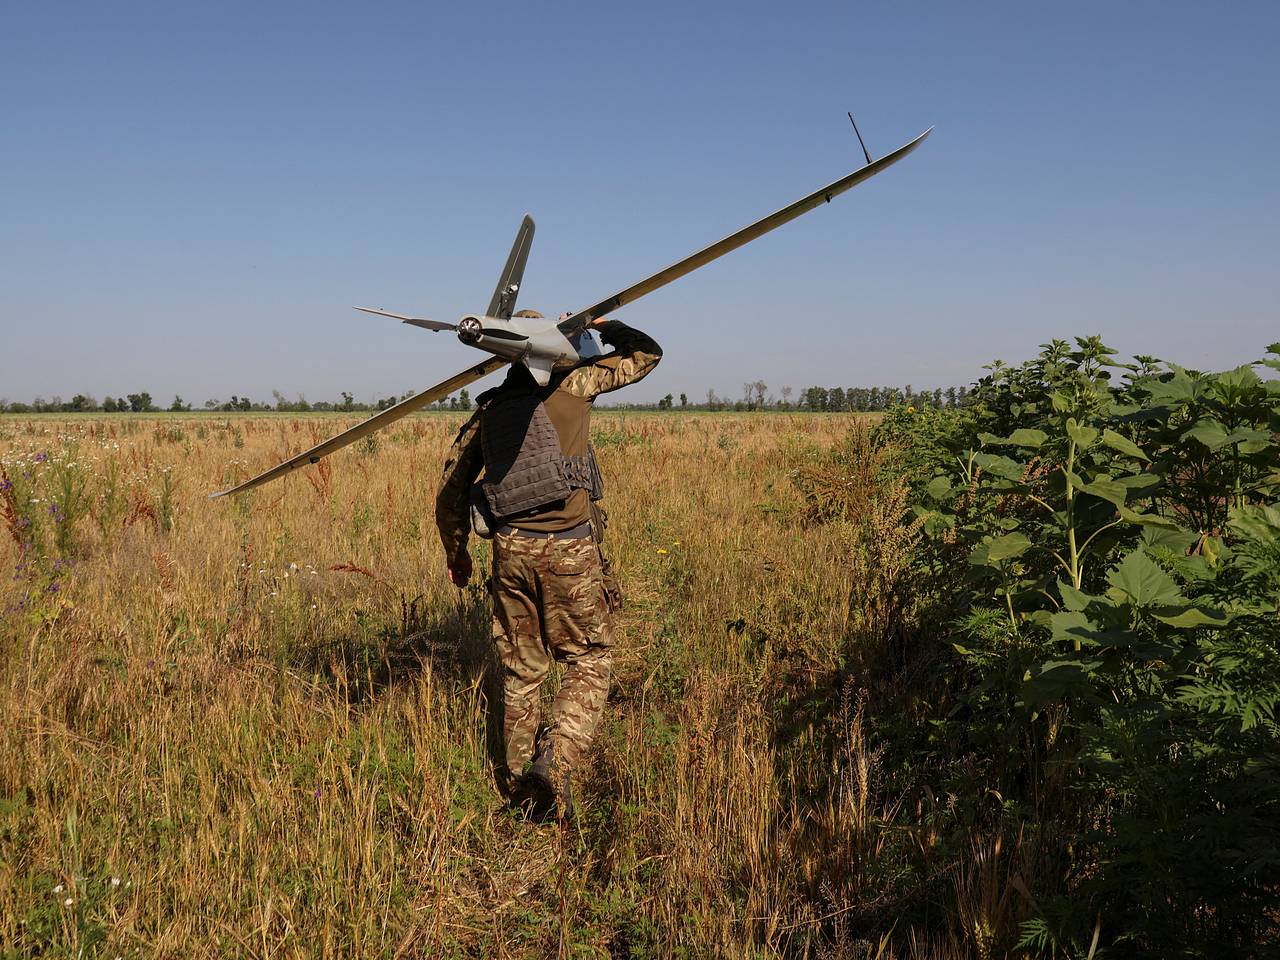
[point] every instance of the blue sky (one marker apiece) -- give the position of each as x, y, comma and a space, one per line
195, 195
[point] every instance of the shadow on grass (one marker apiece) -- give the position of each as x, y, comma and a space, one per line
451, 640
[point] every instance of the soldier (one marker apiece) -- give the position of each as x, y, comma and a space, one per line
551, 595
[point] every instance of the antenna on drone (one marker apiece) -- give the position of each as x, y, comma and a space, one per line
860, 142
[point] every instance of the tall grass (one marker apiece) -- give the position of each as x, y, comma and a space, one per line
260, 727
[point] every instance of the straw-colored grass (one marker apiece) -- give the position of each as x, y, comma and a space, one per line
258, 726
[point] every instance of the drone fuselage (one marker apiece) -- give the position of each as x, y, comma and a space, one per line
536, 343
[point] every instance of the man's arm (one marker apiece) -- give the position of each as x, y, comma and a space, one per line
453, 499
634, 355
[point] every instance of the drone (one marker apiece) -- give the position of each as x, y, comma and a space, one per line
544, 346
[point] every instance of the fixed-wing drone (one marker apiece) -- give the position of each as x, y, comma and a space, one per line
546, 346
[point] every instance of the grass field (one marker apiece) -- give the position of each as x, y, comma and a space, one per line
259, 727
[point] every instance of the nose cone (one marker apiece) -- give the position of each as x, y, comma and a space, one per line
469, 330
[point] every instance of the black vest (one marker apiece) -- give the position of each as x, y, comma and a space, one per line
524, 468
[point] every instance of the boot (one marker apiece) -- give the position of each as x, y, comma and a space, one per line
544, 792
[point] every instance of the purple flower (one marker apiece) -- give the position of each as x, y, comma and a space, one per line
54, 587
41, 457
6, 486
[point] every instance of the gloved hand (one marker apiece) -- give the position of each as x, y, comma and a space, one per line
460, 570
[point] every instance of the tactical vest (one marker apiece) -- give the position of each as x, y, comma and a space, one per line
524, 468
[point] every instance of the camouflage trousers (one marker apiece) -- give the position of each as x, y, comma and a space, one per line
549, 602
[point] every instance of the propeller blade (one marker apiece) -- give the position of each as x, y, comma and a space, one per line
499, 334
416, 321
376, 422
577, 321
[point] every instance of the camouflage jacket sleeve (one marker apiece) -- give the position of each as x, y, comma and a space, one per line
453, 498
634, 355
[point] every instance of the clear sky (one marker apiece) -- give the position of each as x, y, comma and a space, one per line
192, 196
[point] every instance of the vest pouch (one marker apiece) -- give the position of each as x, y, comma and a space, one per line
482, 521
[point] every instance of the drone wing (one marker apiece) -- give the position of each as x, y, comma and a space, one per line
434, 325
376, 422
504, 298
748, 233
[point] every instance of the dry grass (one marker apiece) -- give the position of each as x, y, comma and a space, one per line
259, 727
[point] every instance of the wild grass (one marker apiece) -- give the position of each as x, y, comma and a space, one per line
260, 726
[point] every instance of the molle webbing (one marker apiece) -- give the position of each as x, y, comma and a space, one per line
524, 468
584, 474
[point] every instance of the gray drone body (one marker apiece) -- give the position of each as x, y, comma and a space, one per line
539, 345
546, 346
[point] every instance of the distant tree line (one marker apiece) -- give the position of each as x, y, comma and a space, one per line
142, 403
756, 396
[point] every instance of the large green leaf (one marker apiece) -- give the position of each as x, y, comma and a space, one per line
1147, 519
1235, 381
1260, 523
1123, 444
995, 552
1072, 598
1107, 489
1071, 626
1143, 581
1138, 482
1084, 436
1209, 432
1172, 538
938, 487
1178, 389
1027, 437
1190, 616
1000, 466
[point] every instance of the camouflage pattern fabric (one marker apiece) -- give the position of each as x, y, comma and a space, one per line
634, 355
549, 603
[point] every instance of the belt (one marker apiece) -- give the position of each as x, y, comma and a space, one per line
581, 532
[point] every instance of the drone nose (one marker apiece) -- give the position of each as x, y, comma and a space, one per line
469, 330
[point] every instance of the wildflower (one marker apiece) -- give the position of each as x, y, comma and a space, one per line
58, 888
910, 409
662, 551
41, 457
675, 543
115, 881
67, 902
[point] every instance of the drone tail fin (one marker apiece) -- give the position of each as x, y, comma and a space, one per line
504, 295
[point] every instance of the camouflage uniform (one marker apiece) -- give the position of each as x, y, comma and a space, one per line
549, 601
548, 591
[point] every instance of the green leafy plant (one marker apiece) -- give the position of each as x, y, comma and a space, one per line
1104, 560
